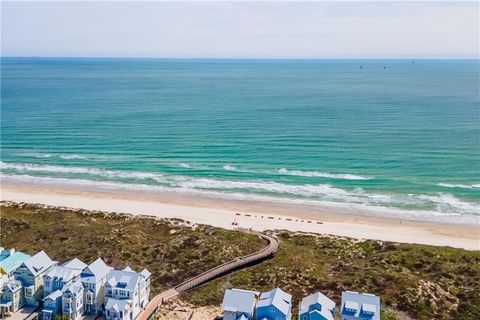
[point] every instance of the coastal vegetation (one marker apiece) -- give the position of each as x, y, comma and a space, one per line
414, 281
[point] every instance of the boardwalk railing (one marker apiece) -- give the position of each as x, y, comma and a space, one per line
212, 274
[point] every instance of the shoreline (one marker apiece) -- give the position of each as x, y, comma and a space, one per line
254, 214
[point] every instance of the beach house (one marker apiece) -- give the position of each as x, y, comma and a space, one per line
125, 293
11, 262
52, 305
239, 304
274, 305
57, 277
11, 296
73, 300
360, 306
316, 306
93, 278
30, 273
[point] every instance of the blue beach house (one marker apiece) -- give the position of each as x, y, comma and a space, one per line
360, 306
274, 305
316, 306
239, 304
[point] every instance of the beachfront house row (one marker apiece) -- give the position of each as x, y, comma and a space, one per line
73, 300
30, 273
360, 306
93, 278
316, 306
274, 305
126, 292
239, 304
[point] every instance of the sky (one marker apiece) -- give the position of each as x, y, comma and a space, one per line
196, 29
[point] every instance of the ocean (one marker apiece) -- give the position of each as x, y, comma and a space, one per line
398, 137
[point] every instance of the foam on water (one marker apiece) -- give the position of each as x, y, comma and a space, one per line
321, 174
441, 202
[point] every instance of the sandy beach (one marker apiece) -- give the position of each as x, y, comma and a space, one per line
249, 214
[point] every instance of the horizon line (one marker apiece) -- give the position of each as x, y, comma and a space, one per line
242, 58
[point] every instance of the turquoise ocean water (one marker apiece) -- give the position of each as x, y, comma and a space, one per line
393, 136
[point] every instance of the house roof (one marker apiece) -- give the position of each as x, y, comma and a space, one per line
277, 298
123, 279
74, 287
54, 295
239, 301
97, 270
145, 273
127, 268
5, 253
13, 261
75, 264
117, 305
12, 285
38, 263
314, 298
64, 273
361, 303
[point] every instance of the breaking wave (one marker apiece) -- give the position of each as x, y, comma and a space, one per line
440, 203
321, 174
460, 186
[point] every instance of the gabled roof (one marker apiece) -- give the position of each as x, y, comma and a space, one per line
277, 298
361, 304
75, 264
39, 263
74, 287
239, 301
127, 268
123, 279
314, 298
66, 274
54, 295
13, 261
96, 271
145, 273
117, 305
12, 285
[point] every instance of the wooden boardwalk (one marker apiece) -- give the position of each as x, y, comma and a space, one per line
216, 272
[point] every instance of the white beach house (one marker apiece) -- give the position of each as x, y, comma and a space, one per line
30, 273
93, 278
239, 304
316, 306
126, 292
73, 300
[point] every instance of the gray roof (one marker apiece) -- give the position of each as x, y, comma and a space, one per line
39, 263
74, 287
145, 273
123, 279
66, 274
12, 285
75, 264
96, 271
277, 298
54, 295
115, 304
239, 301
361, 304
314, 298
